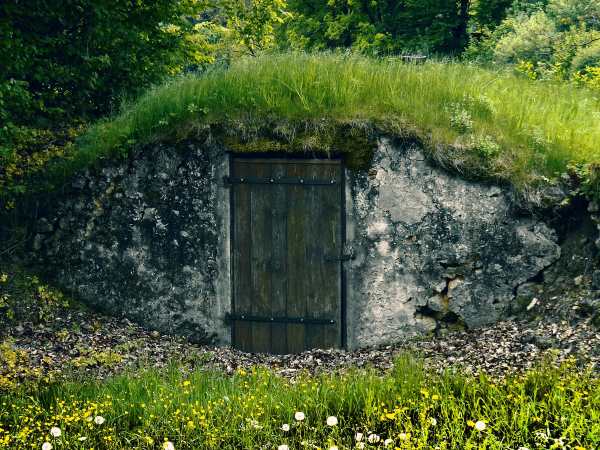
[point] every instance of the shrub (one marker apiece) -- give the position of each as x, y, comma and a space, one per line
567, 13
587, 57
532, 38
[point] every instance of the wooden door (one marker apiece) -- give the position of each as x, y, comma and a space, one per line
287, 247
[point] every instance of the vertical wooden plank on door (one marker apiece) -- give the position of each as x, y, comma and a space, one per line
331, 207
314, 283
296, 260
324, 296
279, 260
242, 276
261, 257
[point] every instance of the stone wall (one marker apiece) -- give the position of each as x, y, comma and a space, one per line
149, 239
433, 250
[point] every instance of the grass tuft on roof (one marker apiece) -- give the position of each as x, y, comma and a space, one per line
490, 124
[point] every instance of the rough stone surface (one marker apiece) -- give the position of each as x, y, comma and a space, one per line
433, 250
146, 239
149, 239
98, 346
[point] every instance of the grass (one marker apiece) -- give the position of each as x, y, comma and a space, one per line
486, 123
416, 409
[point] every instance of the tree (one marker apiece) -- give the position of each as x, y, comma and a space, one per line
76, 57
253, 23
379, 26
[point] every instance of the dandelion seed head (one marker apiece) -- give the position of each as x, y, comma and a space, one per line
299, 416
46, 446
99, 420
480, 425
373, 438
332, 421
55, 432
285, 427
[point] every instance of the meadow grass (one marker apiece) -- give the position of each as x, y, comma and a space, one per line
495, 124
407, 408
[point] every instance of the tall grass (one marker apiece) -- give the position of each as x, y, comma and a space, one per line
413, 408
518, 129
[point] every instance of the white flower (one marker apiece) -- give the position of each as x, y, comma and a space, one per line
168, 445
55, 432
402, 436
332, 421
333, 447
480, 425
523, 448
46, 446
285, 427
360, 445
358, 437
373, 438
299, 416
283, 447
433, 421
99, 420
82, 438
387, 442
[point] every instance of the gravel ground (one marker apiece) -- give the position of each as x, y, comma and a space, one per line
85, 343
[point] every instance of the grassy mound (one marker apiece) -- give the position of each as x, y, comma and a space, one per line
487, 123
408, 408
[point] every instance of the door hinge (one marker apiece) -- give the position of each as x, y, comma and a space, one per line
228, 181
343, 257
251, 318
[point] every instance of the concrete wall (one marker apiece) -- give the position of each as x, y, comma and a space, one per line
149, 239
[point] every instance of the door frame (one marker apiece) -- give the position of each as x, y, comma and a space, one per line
343, 275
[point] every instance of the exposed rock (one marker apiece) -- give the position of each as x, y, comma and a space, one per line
44, 226
149, 239
596, 280
435, 244
144, 239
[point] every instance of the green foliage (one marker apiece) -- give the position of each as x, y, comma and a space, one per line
252, 24
537, 129
75, 58
488, 13
378, 26
546, 40
532, 38
412, 407
568, 13
587, 57
65, 62
24, 298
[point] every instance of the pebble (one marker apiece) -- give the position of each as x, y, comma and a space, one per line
506, 347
